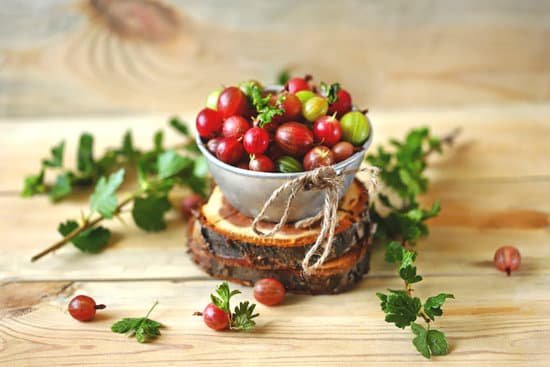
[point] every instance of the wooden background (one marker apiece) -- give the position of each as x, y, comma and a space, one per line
106, 66
64, 57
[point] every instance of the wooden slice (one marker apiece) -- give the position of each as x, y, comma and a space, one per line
335, 276
228, 233
222, 242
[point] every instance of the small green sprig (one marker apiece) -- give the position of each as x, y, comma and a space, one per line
400, 222
158, 171
242, 317
266, 110
330, 91
143, 328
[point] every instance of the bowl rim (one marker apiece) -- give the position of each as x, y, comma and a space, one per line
243, 172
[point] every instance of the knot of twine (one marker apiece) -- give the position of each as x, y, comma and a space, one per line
327, 180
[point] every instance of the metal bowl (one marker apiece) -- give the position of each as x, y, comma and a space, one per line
249, 190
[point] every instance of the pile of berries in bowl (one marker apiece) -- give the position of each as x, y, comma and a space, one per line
270, 135
296, 128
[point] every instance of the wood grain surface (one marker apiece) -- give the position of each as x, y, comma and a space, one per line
494, 187
73, 57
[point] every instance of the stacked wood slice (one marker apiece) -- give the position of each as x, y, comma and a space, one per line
222, 242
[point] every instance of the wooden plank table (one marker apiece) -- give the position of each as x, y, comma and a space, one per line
494, 187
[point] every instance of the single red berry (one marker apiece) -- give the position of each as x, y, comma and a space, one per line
297, 84
342, 151
342, 104
189, 204
230, 151
294, 138
318, 156
507, 259
256, 140
232, 101
235, 127
327, 130
209, 123
291, 106
261, 163
83, 308
212, 144
215, 318
269, 291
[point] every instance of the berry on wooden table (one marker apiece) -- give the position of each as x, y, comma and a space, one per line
83, 308
215, 318
190, 204
507, 259
269, 291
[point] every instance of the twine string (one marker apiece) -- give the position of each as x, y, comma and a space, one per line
323, 179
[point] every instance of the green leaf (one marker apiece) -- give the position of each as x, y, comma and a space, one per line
179, 126
432, 306
158, 141
330, 91
62, 187
421, 340
400, 308
170, 164
33, 184
92, 240
437, 342
283, 77
57, 156
242, 318
394, 252
142, 328
223, 296
85, 156
128, 150
266, 110
104, 200
407, 270
148, 212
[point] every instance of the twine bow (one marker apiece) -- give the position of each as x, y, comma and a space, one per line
331, 182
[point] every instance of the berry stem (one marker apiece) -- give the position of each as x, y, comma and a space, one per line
151, 309
100, 307
86, 225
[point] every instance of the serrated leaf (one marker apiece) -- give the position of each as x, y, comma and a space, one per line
179, 126
85, 155
142, 328
242, 318
61, 188
394, 252
420, 341
126, 325
56, 159
170, 163
400, 308
432, 306
33, 184
104, 200
282, 77
148, 212
92, 240
128, 150
437, 342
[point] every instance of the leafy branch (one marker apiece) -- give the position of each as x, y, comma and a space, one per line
158, 171
400, 222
